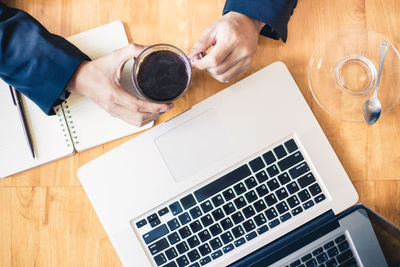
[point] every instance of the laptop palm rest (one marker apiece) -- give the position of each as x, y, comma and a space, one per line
194, 145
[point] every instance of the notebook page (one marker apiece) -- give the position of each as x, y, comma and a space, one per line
89, 124
48, 137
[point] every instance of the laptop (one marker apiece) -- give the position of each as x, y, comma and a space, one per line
355, 237
237, 171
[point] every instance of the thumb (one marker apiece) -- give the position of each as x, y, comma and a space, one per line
202, 44
128, 52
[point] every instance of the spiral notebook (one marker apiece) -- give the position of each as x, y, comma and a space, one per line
79, 124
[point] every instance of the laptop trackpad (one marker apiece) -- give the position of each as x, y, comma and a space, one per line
194, 145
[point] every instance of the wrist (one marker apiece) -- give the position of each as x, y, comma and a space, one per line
74, 85
258, 25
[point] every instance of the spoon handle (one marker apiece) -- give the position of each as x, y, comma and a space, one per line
382, 56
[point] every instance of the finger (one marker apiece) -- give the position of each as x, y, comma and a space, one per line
228, 63
128, 52
136, 118
205, 41
216, 56
146, 106
234, 71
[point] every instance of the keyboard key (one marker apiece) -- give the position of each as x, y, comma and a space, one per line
216, 254
282, 207
205, 260
292, 187
273, 223
311, 263
332, 252
319, 198
306, 257
331, 263
251, 236
281, 193
173, 238
306, 180
226, 223
269, 158
204, 235
251, 196
175, 208
240, 202
182, 261
237, 217
141, 223
152, 217
261, 176
340, 239
270, 199
260, 219
206, 206
163, 211
155, 222
343, 246
249, 225
155, 234
297, 210
290, 146
229, 208
195, 212
158, 246
170, 264
196, 226
290, 161
193, 255
293, 201
300, 169
262, 229
273, 184
272, 170
304, 195
238, 231
259, 205
317, 251
349, 263
188, 201
215, 229
171, 253
271, 213
262, 190
329, 245
285, 217
184, 218
315, 189
217, 200
239, 242
226, 237
160, 259
248, 211
218, 214
221, 183
184, 232
250, 182
284, 178
182, 247
295, 263
204, 249
256, 164
193, 265
228, 194
344, 256
280, 151
207, 220
308, 204
239, 188
215, 243
227, 248
321, 258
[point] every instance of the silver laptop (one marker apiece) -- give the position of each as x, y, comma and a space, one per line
209, 187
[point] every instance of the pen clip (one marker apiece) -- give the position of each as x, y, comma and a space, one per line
12, 91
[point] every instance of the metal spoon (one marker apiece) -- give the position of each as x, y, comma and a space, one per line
372, 107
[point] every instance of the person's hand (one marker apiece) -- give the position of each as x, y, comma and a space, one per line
99, 80
234, 39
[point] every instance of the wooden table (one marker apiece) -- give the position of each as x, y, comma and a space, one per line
45, 216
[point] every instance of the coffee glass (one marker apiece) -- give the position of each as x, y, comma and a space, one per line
161, 73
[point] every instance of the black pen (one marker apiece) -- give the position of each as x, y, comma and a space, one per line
16, 97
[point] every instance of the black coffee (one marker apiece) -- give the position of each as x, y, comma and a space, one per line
162, 75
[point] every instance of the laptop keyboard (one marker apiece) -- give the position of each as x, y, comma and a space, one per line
234, 209
336, 252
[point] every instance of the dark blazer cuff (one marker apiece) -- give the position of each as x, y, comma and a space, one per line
275, 14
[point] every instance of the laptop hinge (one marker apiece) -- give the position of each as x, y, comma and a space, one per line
291, 242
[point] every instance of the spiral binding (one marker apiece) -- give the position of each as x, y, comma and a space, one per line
70, 123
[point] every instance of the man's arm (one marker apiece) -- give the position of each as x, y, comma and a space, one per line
39, 64
274, 13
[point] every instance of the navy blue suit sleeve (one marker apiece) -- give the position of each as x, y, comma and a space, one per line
37, 63
274, 13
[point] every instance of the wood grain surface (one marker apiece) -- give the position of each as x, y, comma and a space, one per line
45, 216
